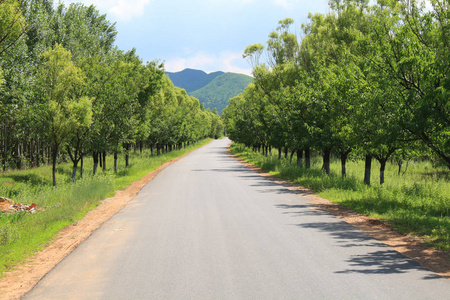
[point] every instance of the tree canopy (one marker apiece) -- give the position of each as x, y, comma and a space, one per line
365, 79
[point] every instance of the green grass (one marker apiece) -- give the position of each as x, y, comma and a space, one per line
417, 202
22, 234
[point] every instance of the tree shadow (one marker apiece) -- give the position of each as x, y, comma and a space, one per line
383, 260
302, 210
31, 179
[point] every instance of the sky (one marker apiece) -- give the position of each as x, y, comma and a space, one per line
209, 35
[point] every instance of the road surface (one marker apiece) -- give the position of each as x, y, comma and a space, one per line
208, 228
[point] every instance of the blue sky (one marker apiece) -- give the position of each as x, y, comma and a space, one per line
200, 34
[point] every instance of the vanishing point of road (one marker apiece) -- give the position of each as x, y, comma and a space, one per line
207, 227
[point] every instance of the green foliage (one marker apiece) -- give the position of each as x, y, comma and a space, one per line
69, 92
367, 80
417, 202
12, 23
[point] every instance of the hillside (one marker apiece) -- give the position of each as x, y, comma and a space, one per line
192, 80
217, 93
213, 89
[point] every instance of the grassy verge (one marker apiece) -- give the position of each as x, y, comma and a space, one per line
417, 202
22, 234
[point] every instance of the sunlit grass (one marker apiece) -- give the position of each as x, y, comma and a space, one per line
416, 202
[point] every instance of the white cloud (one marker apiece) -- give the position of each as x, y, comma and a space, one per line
225, 61
121, 9
286, 4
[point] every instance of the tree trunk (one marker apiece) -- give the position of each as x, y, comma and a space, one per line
74, 171
368, 166
81, 166
95, 157
100, 159
399, 164
115, 162
299, 158
54, 155
158, 150
307, 158
279, 152
292, 155
104, 160
127, 157
286, 150
382, 168
326, 161
344, 156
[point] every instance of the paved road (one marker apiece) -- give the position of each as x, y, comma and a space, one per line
208, 228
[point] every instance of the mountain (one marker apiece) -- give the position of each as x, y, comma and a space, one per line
213, 89
192, 80
217, 93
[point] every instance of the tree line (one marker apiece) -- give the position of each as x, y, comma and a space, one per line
67, 91
364, 80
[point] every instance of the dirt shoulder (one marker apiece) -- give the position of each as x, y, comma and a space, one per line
26, 275
410, 246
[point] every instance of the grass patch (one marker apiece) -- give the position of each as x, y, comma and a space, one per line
417, 202
22, 234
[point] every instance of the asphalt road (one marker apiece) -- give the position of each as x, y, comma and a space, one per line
208, 228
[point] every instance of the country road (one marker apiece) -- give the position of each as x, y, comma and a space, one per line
206, 227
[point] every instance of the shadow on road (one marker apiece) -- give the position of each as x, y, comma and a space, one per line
385, 261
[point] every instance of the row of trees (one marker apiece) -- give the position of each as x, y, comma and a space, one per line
366, 80
67, 89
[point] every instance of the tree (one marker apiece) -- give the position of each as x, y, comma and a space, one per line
12, 23
62, 111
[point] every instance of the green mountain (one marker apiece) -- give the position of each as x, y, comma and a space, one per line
192, 80
217, 93
213, 89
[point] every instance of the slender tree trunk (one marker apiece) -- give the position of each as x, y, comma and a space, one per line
95, 157
104, 160
307, 158
74, 171
54, 156
299, 158
326, 161
279, 152
151, 149
115, 162
100, 159
399, 164
286, 150
81, 166
127, 157
344, 156
38, 158
292, 155
158, 150
368, 166
382, 168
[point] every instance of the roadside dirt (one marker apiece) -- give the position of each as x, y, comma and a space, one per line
26, 275
410, 246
